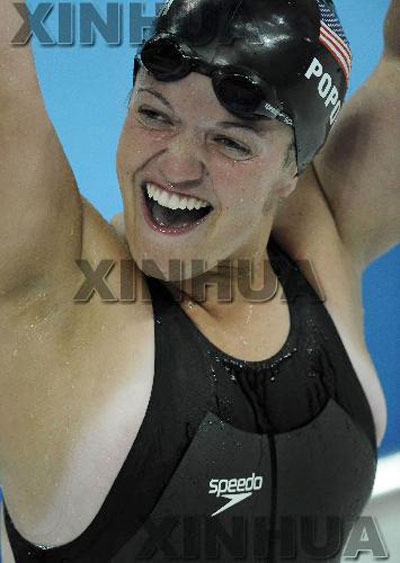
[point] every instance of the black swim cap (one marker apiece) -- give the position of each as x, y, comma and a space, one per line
296, 47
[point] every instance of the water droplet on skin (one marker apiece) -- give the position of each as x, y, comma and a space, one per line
251, 307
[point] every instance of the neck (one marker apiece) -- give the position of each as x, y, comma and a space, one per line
228, 291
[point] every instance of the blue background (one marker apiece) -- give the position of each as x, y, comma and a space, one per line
86, 90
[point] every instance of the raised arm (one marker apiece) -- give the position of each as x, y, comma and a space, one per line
359, 167
40, 210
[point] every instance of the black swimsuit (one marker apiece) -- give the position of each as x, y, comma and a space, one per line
237, 459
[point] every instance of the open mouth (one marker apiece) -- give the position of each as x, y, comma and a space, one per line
173, 213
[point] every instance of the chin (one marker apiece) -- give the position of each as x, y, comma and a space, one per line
165, 262
167, 251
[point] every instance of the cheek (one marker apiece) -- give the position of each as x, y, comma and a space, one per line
137, 145
246, 186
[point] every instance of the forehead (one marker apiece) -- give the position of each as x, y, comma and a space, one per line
194, 97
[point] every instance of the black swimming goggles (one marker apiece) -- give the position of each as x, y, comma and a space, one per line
240, 91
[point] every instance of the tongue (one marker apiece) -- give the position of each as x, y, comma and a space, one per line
175, 218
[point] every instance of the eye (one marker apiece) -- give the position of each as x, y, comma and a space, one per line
153, 117
233, 146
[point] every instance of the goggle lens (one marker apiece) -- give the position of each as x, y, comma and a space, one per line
238, 93
165, 60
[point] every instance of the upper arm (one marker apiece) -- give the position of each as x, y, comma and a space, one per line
40, 212
359, 167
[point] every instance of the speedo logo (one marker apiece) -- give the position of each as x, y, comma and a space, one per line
326, 88
235, 490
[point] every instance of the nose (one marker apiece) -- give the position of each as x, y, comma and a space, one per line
181, 164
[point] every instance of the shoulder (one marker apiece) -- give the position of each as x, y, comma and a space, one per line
104, 248
99, 236
306, 230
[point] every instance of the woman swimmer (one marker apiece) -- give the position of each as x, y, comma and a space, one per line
179, 427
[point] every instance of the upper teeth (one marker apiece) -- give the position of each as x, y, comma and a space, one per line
173, 200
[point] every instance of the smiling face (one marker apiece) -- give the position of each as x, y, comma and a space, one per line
198, 182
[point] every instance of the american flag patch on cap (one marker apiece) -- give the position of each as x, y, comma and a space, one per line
333, 38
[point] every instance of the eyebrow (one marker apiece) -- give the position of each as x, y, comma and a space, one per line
243, 124
157, 95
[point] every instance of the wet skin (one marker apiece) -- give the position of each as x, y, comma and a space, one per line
93, 388
188, 142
